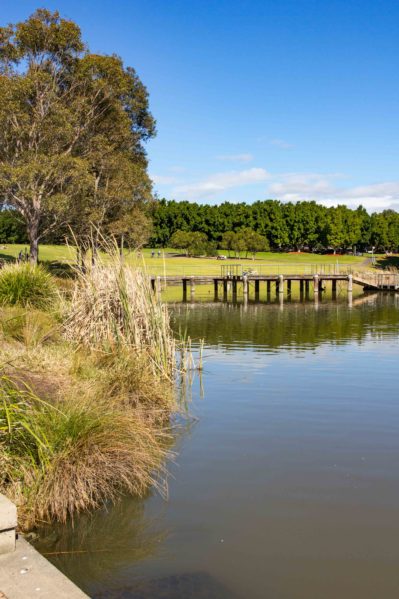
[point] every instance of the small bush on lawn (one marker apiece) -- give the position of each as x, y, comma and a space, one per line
26, 285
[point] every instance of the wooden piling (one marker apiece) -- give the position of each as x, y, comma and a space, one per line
234, 282
281, 284
301, 289
216, 289
184, 281
245, 286
192, 288
257, 290
316, 285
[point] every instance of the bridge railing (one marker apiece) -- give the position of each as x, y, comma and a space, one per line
277, 268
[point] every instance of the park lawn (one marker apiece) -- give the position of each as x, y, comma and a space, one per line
169, 264
47, 253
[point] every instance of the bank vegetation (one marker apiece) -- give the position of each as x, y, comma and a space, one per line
87, 369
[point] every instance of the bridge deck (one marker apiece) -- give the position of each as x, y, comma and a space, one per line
373, 281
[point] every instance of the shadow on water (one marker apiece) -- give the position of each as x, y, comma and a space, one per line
193, 585
102, 542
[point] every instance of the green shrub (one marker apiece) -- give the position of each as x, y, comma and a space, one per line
56, 461
26, 285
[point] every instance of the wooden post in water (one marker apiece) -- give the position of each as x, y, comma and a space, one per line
307, 286
245, 286
257, 290
350, 283
192, 289
289, 287
184, 281
225, 290
268, 287
234, 289
216, 289
316, 286
320, 287
281, 285
301, 289
334, 289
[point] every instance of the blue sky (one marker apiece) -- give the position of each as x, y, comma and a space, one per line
290, 99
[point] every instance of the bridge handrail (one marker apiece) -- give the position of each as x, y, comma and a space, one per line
304, 268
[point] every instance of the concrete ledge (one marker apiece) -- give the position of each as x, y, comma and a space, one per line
8, 525
25, 574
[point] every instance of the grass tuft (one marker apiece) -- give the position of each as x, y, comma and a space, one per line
26, 285
64, 459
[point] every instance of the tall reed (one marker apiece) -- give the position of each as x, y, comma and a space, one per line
113, 306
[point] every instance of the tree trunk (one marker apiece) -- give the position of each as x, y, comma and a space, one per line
33, 235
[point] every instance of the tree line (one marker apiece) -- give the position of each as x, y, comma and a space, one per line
282, 226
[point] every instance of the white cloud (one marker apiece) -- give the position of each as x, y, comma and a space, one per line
236, 157
163, 179
296, 186
323, 188
220, 182
329, 189
281, 143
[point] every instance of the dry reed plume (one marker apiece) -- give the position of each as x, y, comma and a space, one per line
113, 306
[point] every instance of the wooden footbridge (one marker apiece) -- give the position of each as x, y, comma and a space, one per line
234, 281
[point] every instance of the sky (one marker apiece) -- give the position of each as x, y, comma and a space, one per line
256, 99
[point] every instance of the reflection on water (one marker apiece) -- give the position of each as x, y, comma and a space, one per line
287, 485
263, 327
93, 547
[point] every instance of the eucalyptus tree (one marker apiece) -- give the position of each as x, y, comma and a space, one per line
72, 127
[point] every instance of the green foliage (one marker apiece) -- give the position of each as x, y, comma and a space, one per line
72, 128
193, 243
26, 285
12, 227
245, 240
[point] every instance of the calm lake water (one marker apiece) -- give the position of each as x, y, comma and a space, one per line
286, 484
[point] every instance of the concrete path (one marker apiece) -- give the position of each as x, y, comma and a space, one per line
25, 574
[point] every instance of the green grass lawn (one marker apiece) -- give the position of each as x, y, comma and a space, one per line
168, 264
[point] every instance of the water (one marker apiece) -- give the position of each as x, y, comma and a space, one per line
287, 481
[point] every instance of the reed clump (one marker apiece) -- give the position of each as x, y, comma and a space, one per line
113, 307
